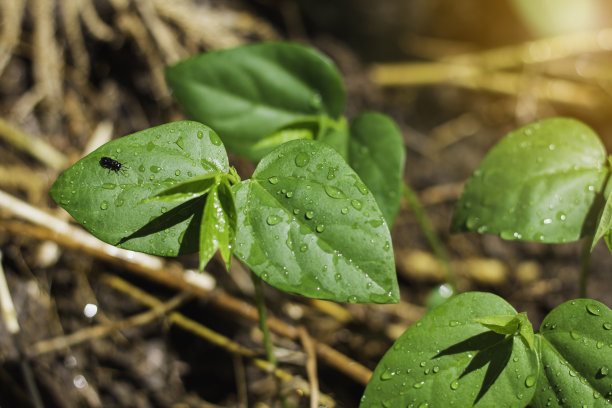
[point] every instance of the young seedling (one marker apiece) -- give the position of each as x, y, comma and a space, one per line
296, 227
262, 95
475, 350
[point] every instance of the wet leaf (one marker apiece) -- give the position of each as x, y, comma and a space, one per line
308, 225
116, 206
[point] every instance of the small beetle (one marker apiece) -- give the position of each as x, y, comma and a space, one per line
111, 165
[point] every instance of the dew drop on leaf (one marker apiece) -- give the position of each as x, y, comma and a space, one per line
302, 159
593, 309
418, 385
214, 139
320, 228
334, 192
530, 381
344, 210
575, 334
454, 385
273, 180
607, 326
387, 374
603, 371
109, 186
356, 204
200, 134
309, 214
273, 219
104, 205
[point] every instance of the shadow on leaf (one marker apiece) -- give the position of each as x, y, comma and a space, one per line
491, 349
189, 209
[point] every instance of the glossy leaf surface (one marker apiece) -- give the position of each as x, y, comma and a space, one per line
116, 206
376, 153
576, 356
250, 92
308, 225
540, 183
448, 359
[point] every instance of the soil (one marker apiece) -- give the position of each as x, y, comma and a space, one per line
65, 78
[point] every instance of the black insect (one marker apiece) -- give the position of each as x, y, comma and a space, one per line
112, 165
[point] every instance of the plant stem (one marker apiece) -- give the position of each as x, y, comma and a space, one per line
585, 265
263, 321
430, 234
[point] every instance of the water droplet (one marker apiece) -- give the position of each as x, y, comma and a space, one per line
593, 309
289, 194
296, 211
387, 374
561, 216
309, 214
603, 371
104, 205
119, 202
575, 334
64, 202
334, 192
453, 323
344, 210
331, 174
302, 159
530, 381
352, 299
164, 210
177, 173
109, 186
273, 220
303, 248
179, 143
454, 385
320, 228
214, 139
356, 204
607, 326
155, 169
141, 168
200, 134
436, 369
418, 385
422, 363
546, 221
551, 147
361, 187
482, 229
338, 276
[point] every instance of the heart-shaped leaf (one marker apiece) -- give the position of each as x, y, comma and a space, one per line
376, 153
249, 92
308, 225
448, 359
540, 183
576, 356
116, 206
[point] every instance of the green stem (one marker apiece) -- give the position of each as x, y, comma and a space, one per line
263, 321
430, 234
585, 261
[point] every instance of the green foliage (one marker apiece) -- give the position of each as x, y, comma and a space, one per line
305, 222
541, 183
309, 225
248, 93
473, 351
263, 95
449, 359
115, 207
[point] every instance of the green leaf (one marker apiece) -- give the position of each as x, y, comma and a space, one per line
510, 324
376, 152
448, 359
218, 228
114, 206
576, 357
249, 92
185, 190
308, 225
540, 183
604, 222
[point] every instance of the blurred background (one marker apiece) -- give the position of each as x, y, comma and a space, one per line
456, 77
